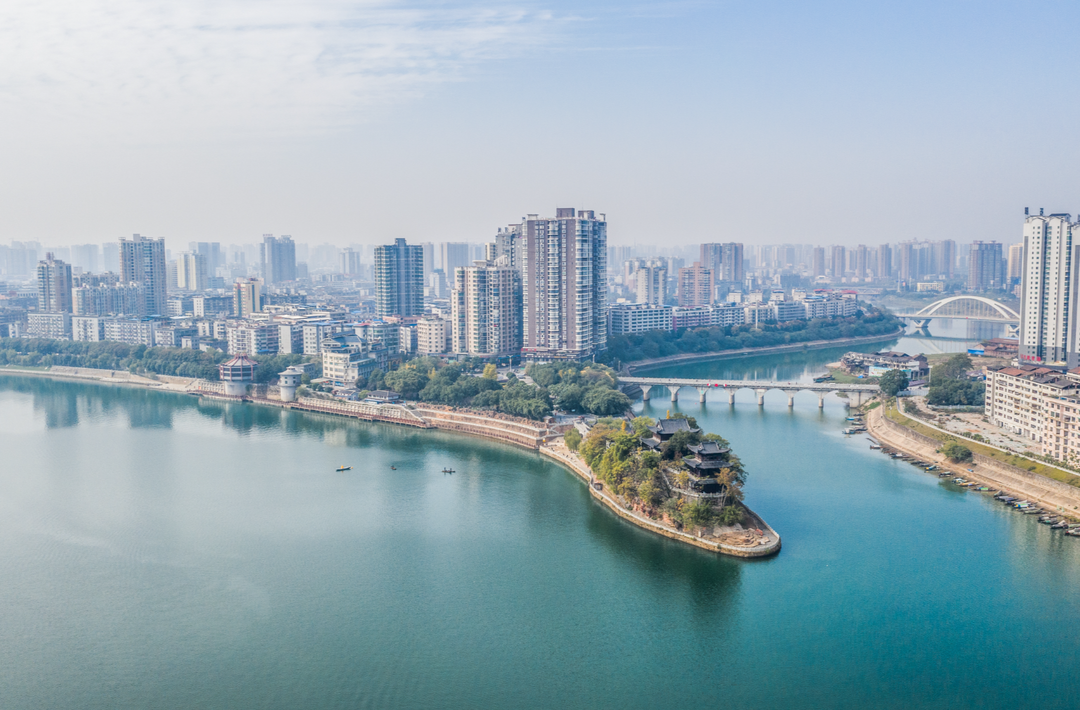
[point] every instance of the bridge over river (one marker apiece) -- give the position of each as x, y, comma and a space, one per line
857, 394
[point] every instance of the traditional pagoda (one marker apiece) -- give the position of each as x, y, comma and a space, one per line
664, 430
237, 374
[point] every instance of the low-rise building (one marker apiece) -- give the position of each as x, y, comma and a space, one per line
638, 318
133, 331
90, 329
252, 339
877, 364
54, 326
432, 336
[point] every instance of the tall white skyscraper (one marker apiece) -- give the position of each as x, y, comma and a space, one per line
191, 271
564, 285
142, 260
651, 283
399, 279
1049, 331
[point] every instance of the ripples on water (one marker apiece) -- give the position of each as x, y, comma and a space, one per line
162, 551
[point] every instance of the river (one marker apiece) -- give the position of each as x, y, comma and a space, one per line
161, 551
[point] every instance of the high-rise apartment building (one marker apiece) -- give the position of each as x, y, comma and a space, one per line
1016, 264
712, 256
1049, 332
650, 282
508, 245
349, 262
696, 286
451, 256
191, 271
837, 263
54, 285
731, 263
986, 267
862, 265
142, 260
278, 258
247, 297
564, 285
817, 263
212, 252
883, 268
486, 311
399, 279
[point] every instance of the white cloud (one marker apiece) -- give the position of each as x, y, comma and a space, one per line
150, 69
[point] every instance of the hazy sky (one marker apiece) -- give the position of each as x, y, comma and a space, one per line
755, 121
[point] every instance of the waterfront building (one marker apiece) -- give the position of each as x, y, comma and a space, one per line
876, 364
142, 260
986, 267
696, 286
54, 285
252, 338
237, 373
1026, 399
399, 279
707, 316
278, 258
564, 285
54, 326
1049, 331
90, 329
486, 310
344, 359
315, 333
822, 306
639, 318
664, 430
133, 331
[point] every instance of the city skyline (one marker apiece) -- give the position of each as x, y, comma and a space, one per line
333, 122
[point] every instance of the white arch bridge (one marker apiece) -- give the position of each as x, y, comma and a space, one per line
857, 394
964, 308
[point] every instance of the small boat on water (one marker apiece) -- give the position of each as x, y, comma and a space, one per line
1060, 525
875, 446
344, 468
448, 470
393, 468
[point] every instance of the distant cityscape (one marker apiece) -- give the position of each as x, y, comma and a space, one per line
544, 289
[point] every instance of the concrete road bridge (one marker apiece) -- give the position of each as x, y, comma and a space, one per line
857, 394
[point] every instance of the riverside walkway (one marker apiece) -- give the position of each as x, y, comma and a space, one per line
857, 394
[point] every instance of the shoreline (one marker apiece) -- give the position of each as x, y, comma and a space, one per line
1055, 496
631, 367
554, 450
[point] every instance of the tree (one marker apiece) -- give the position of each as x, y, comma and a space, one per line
952, 368
956, 451
601, 400
406, 381
490, 371
572, 439
641, 425
893, 382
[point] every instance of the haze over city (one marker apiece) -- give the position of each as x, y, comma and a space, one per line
685, 122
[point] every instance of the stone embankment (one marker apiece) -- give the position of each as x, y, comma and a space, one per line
1046, 492
632, 367
758, 546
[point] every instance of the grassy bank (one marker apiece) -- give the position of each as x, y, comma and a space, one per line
1040, 469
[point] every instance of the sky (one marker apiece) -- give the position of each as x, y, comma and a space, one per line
684, 122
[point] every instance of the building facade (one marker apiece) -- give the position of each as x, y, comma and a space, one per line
399, 279
696, 286
1049, 332
278, 258
486, 311
54, 286
986, 267
564, 285
142, 261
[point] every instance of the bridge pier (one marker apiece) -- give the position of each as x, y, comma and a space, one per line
645, 392
731, 396
701, 394
821, 400
760, 397
790, 398
857, 396
674, 393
